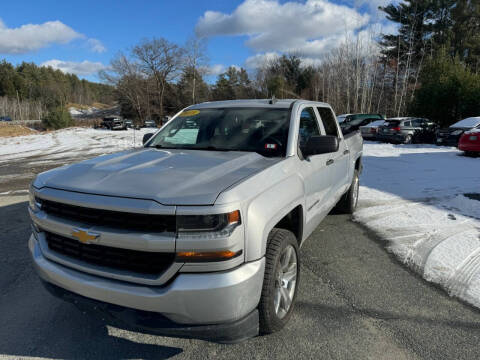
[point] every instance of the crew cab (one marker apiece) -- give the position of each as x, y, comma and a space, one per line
201, 227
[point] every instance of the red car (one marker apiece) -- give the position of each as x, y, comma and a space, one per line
470, 142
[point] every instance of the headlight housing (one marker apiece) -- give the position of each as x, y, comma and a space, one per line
33, 203
213, 223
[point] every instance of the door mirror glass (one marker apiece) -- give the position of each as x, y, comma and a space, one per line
321, 144
147, 137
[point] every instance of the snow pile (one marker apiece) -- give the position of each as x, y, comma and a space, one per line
74, 111
62, 145
413, 197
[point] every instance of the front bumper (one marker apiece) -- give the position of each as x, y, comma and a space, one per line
154, 323
189, 298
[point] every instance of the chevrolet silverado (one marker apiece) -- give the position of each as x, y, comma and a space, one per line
202, 226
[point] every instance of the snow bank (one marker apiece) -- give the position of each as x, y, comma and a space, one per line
59, 145
412, 196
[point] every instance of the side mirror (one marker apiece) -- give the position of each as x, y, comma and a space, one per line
147, 137
320, 145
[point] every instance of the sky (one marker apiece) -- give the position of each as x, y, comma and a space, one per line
82, 37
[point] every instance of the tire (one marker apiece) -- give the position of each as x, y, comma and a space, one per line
348, 202
408, 139
282, 254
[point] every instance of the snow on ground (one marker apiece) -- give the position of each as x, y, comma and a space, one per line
56, 146
413, 197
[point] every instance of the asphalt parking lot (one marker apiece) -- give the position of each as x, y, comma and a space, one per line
355, 302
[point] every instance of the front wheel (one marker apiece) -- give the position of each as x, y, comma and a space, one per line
282, 270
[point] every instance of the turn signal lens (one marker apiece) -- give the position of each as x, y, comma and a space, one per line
233, 217
193, 256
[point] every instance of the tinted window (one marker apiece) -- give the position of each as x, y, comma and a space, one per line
407, 123
328, 120
418, 122
308, 126
392, 123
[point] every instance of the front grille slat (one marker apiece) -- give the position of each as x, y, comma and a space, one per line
122, 259
115, 219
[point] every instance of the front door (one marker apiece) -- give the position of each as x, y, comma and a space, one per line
315, 172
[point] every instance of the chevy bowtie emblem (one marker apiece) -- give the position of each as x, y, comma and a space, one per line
84, 236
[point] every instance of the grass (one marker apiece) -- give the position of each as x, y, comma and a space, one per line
9, 130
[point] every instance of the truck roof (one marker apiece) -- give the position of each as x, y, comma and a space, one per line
278, 103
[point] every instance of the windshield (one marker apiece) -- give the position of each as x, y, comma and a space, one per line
392, 123
261, 130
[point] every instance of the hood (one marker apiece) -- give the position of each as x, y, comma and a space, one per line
170, 177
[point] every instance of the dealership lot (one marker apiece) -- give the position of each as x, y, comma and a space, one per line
355, 299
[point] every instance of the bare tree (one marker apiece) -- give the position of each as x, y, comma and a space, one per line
196, 60
161, 60
129, 82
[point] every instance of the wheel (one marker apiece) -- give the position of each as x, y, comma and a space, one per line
348, 202
282, 270
408, 139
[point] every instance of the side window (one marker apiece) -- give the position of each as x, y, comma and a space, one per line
417, 123
308, 126
328, 120
407, 123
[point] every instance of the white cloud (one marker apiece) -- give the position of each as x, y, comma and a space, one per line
308, 28
373, 4
83, 68
31, 37
96, 46
258, 60
216, 69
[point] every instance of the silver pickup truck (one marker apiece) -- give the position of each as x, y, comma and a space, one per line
201, 228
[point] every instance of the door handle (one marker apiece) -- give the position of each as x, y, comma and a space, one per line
346, 152
330, 162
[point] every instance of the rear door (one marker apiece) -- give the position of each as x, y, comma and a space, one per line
338, 162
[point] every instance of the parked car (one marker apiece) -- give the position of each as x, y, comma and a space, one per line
149, 124
349, 126
341, 118
129, 123
354, 117
5, 118
370, 131
403, 129
114, 123
470, 142
192, 227
451, 135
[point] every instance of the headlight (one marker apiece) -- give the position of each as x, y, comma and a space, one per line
457, 132
33, 203
208, 223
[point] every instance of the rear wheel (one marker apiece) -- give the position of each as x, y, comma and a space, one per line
408, 139
348, 202
282, 270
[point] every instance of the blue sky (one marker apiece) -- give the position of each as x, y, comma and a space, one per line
82, 36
